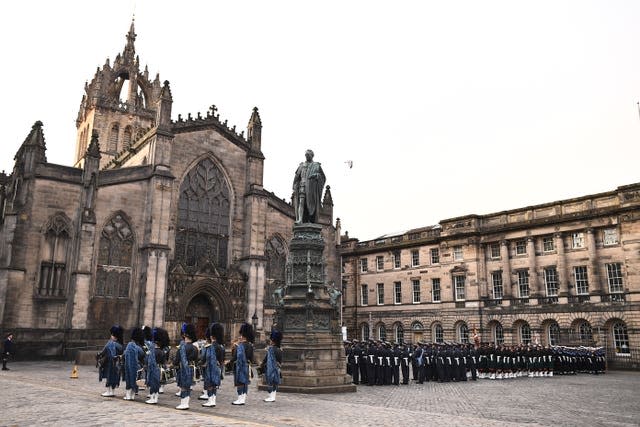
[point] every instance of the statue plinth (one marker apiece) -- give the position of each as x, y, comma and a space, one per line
308, 316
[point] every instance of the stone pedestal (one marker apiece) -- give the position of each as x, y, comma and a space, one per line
313, 354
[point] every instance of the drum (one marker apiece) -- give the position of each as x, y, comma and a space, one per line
167, 376
141, 378
197, 373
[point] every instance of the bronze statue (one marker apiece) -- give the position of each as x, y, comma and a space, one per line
308, 184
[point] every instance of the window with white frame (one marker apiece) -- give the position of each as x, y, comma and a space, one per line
463, 333
457, 253
551, 281
459, 287
553, 333
496, 280
382, 332
614, 277
435, 255
610, 236
435, 290
521, 247
380, 293
415, 285
523, 283
494, 250
364, 331
498, 334
364, 295
621, 338
380, 263
438, 333
581, 279
547, 244
396, 259
397, 292
363, 265
585, 332
525, 333
415, 258
577, 240
399, 333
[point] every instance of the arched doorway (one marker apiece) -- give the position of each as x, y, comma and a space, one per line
201, 312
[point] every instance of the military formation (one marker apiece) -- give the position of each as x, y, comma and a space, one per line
375, 362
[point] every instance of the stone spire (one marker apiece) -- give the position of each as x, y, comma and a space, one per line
130, 49
327, 200
254, 130
33, 149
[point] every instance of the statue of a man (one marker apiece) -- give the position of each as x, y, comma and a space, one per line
308, 184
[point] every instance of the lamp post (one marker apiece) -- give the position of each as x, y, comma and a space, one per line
254, 321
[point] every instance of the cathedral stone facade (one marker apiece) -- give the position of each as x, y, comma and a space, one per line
158, 222
565, 272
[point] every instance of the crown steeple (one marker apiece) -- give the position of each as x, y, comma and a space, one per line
130, 49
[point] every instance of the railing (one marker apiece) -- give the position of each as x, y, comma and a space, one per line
613, 298
548, 300
520, 301
493, 302
460, 304
628, 358
578, 299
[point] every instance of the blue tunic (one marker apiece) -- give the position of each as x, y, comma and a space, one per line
132, 356
153, 370
273, 370
212, 367
110, 370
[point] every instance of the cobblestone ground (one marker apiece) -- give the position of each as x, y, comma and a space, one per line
41, 393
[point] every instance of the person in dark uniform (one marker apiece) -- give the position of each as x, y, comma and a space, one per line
7, 350
154, 363
212, 359
242, 357
371, 367
133, 360
395, 364
109, 361
271, 365
404, 363
185, 359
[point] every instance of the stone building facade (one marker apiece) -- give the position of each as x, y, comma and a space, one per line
566, 272
158, 222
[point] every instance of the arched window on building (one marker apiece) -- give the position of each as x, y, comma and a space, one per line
381, 332
364, 332
53, 264
497, 333
462, 332
585, 332
115, 259
398, 332
204, 210
620, 337
127, 138
113, 138
438, 333
553, 333
524, 332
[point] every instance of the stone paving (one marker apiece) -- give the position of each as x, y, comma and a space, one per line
41, 393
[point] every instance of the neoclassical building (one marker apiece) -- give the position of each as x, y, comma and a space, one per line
158, 221
566, 272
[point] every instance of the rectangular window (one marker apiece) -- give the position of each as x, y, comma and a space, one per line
523, 283
379, 263
364, 295
577, 240
457, 253
547, 244
459, 287
614, 277
581, 279
496, 279
495, 250
610, 236
435, 256
521, 247
435, 290
415, 284
397, 292
415, 258
396, 259
363, 265
551, 281
380, 289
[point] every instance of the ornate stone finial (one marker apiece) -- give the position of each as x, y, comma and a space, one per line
199, 116
327, 200
94, 147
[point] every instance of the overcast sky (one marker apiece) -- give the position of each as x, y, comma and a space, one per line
445, 108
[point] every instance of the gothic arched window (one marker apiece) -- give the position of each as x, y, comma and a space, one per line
113, 137
203, 217
53, 264
127, 138
115, 259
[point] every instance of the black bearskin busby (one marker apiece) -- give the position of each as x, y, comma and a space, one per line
137, 336
161, 336
118, 332
246, 330
189, 331
216, 330
276, 337
147, 333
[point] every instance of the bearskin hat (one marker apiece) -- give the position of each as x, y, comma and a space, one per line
246, 330
216, 330
189, 331
118, 332
146, 332
137, 336
161, 336
276, 337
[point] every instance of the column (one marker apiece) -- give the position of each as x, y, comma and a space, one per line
507, 281
482, 271
563, 277
534, 287
593, 271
